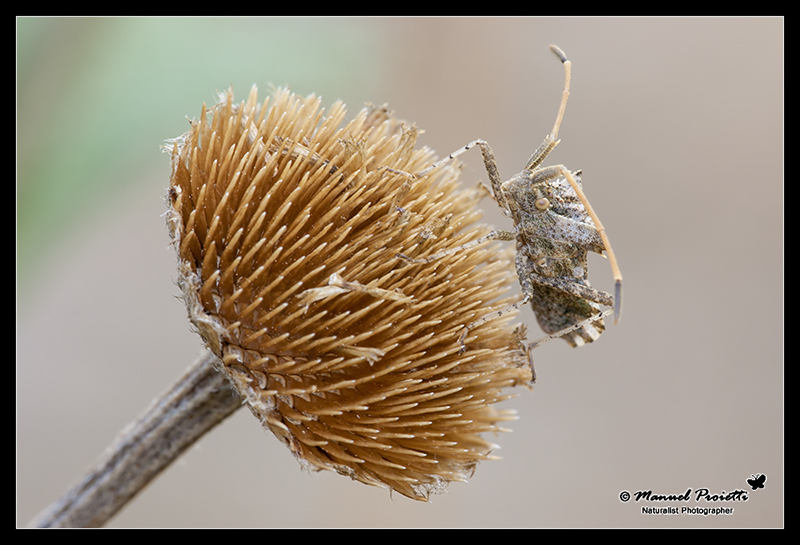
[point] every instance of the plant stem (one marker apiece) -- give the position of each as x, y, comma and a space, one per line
198, 401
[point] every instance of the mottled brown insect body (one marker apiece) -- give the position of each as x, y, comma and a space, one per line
554, 237
555, 228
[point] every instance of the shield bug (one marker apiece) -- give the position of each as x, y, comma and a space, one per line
555, 228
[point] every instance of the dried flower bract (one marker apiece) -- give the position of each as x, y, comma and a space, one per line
287, 226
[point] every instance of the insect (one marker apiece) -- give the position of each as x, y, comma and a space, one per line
555, 228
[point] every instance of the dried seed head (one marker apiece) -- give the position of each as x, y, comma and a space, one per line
287, 229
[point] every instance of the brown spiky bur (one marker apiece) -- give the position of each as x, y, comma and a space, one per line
288, 226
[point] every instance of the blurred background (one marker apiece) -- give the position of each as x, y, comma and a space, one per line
677, 124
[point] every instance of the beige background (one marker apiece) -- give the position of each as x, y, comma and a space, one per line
678, 126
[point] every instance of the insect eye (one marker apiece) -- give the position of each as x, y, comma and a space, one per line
542, 203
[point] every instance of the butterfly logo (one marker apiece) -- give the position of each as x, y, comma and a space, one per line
757, 481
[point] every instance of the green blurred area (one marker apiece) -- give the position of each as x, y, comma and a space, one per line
96, 98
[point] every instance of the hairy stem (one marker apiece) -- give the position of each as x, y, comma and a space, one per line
198, 401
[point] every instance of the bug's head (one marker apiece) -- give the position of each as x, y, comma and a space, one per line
538, 199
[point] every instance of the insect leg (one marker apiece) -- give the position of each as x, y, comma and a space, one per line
489, 163
495, 234
527, 291
488, 317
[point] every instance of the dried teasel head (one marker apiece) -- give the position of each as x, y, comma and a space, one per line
287, 228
